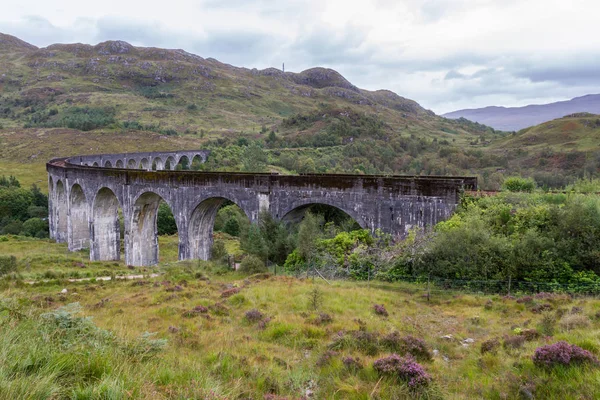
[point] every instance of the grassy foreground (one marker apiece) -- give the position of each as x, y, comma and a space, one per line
296, 343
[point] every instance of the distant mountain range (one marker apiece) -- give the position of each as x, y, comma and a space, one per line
516, 118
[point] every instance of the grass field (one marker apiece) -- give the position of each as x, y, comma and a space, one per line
297, 345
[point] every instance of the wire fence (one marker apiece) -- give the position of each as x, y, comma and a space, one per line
435, 284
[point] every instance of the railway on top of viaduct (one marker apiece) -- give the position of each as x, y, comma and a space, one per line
87, 195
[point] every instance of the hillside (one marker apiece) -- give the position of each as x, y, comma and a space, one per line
176, 90
515, 118
79, 99
550, 150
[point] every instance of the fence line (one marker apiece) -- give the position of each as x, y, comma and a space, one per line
505, 287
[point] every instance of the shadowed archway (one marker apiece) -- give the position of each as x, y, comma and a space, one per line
330, 213
201, 227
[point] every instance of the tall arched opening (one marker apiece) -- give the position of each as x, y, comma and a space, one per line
105, 233
107, 164
79, 229
145, 164
143, 234
119, 164
132, 163
183, 164
196, 164
157, 164
201, 226
170, 164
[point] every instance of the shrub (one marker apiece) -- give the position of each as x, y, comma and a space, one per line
7, 264
525, 299
229, 292
547, 324
517, 184
404, 368
490, 346
195, 311
574, 321
513, 342
530, 334
562, 353
218, 252
322, 319
254, 315
251, 264
352, 363
326, 358
315, 298
408, 344
540, 308
379, 309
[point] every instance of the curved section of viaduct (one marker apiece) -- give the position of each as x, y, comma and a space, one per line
90, 195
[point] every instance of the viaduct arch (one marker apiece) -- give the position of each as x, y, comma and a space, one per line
87, 194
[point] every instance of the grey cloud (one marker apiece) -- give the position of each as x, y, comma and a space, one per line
575, 74
240, 47
37, 30
453, 74
136, 32
324, 46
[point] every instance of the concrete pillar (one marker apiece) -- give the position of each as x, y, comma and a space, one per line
105, 239
51, 210
142, 235
78, 220
60, 216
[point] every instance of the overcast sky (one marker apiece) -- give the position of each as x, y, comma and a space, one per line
445, 54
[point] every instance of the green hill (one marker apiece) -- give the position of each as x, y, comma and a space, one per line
77, 98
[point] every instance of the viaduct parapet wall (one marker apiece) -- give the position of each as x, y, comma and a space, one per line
88, 193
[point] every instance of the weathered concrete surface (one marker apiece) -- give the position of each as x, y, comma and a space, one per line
82, 195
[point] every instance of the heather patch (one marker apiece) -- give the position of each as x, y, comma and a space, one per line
403, 368
562, 353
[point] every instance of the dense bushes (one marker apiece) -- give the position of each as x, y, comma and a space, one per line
536, 237
81, 118
7, 264
22, 211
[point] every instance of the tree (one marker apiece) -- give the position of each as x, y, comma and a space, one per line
35, 227
165, 221
309, 232
280, 240
254, 158
252, 242
251, 264
14, 202
39, 198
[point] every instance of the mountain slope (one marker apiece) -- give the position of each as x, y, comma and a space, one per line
515, 118
175, 91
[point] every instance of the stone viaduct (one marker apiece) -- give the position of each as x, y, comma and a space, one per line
90, 195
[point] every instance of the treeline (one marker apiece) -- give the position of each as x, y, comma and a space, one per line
22, 211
